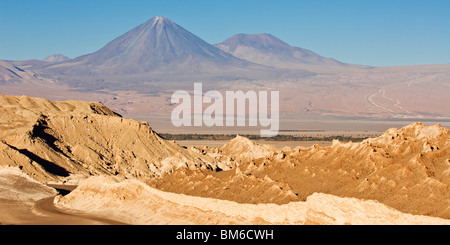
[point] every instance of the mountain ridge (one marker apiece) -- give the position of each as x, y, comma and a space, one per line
158, 43
66, 140
269, 50
56, 58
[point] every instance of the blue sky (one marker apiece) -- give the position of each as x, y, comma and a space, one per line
369, 32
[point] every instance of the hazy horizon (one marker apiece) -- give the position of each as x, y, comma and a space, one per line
380, 33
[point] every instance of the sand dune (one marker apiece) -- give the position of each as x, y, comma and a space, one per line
134, 202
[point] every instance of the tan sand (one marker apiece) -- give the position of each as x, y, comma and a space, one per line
388, 179
134, 202
407, 169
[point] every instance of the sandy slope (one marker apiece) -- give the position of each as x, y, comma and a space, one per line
134, 202
17, 186
52, 141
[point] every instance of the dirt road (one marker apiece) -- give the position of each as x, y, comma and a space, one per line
55, 216
43, 212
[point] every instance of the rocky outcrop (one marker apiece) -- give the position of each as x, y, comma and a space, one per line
241, 147
407, 169
52, 141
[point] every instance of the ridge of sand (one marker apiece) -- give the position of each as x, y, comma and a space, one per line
134, 202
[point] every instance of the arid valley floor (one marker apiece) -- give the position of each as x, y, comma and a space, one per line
75, 162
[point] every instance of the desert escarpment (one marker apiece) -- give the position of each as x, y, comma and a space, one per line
53, 141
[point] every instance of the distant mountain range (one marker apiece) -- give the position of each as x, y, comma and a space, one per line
158, 44
145, 65
10, 73
160, 50
268, 50
163, 50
